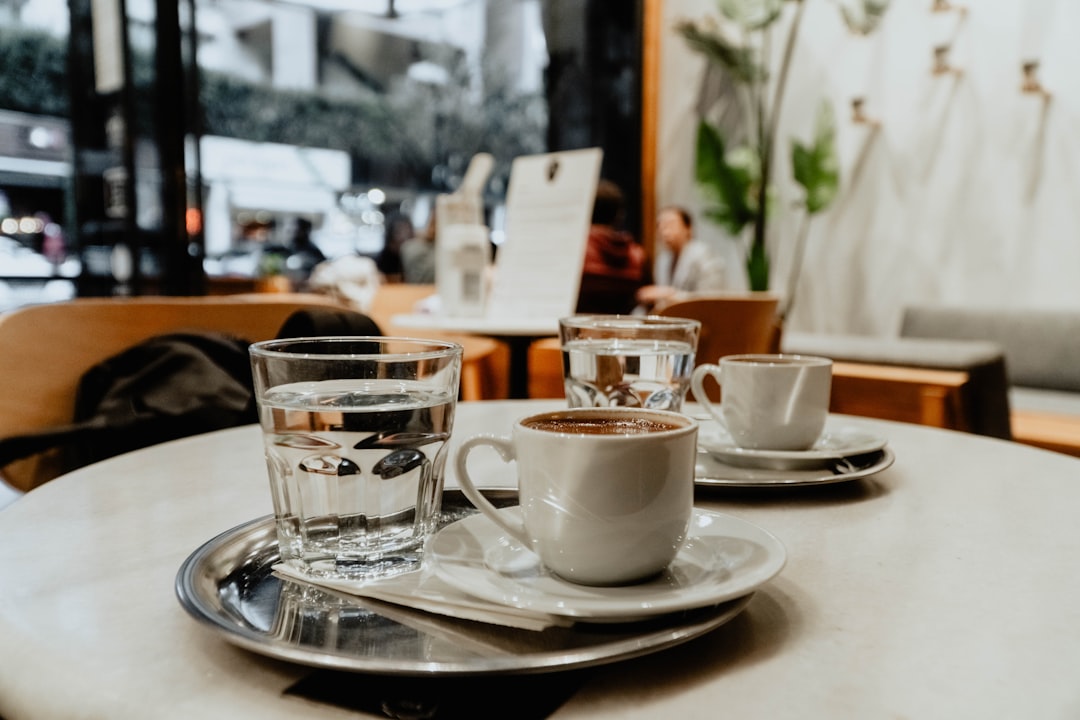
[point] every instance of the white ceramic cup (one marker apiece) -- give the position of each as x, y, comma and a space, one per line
606, 494
769, 402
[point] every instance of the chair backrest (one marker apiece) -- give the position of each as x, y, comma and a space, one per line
397, 299
47, 348
487, 378
731, 323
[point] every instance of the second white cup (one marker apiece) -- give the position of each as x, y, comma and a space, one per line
769, 402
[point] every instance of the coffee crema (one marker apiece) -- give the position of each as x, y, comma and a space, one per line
600, 425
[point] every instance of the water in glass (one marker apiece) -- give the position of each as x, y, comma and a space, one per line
356, 472
633, 373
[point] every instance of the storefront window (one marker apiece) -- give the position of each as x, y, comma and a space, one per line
345, 115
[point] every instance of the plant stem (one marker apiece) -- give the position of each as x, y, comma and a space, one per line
763, 88
752, 107
773, 123
785, 66
796, 266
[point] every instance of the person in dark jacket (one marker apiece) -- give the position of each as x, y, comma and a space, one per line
616, 265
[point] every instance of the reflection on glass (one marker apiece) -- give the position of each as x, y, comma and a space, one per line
377, 107
343, 113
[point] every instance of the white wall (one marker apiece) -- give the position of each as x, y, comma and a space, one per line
965, 194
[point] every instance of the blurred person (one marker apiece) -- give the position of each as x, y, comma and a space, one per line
350, 279
418, 255
269, 251
53, 245
399, 228
685, 265
616, 266
304, 254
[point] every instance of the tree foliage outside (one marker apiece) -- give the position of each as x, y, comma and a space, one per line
400, 136
33, 72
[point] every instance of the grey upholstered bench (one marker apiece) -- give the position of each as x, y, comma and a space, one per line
1042, 363
1023, 365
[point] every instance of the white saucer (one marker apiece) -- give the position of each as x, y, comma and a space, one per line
712, 472
839, 440
724, 558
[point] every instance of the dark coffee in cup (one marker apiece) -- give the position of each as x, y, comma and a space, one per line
601, 425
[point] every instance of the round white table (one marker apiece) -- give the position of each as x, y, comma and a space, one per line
943, 587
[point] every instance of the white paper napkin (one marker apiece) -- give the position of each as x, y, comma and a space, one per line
423, 590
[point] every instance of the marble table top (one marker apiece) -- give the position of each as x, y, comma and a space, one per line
942, 587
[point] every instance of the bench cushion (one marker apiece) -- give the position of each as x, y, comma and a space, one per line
985, 397
1042, 347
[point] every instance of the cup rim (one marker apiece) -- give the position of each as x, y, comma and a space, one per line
432, 348
686, 424
778, 359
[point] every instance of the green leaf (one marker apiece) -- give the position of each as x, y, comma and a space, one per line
751, 15
725, 184
737, 60
815, 167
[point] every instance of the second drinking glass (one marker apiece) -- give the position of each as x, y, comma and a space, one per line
628, 361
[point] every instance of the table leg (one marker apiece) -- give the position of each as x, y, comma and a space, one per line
519, 365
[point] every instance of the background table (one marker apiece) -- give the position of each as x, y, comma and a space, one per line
944, 587
518, 334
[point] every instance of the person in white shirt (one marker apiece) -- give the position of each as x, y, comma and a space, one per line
685, 265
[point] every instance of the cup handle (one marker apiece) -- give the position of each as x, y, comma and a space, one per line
697, 384
505, 448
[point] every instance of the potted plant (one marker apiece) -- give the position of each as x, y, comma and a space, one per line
272, 277
737, 153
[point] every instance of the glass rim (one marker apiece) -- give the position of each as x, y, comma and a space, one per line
432, 348
627, 321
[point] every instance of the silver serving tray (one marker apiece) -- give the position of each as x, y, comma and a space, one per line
227, 584
711, 471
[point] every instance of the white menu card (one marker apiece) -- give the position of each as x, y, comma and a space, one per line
548, 212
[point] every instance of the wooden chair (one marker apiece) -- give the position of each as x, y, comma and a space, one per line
396, 299
545, 369
487, 380
731, 323
48, 348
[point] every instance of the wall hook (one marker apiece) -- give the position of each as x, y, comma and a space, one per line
1031, 84
858, 113
943, 6
941, 62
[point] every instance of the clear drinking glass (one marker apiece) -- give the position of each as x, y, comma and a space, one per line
355, 431
624, 360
